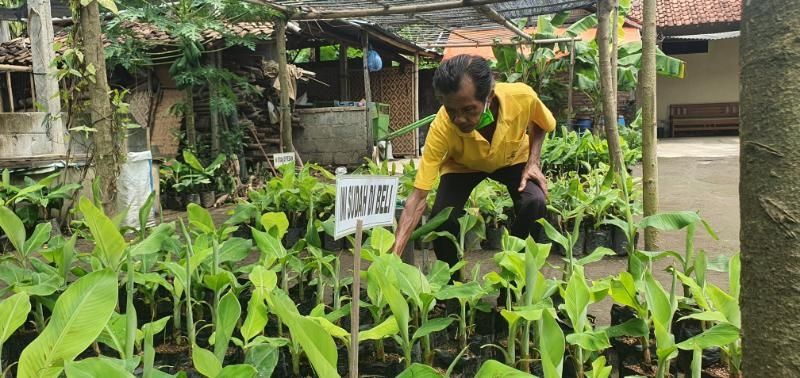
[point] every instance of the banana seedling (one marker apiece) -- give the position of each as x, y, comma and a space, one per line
470, 224
721, 309
22, 272
662, 307
13, 313
402, 284
469, 295
567, 241
586, 342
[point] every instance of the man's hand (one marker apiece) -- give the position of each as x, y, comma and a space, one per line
532, 172
415, 206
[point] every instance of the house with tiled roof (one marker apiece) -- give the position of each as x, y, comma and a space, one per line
705, 35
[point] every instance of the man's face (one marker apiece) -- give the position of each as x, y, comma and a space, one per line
462, 107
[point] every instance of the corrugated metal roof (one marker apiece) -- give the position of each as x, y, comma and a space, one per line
708, 36
436, 27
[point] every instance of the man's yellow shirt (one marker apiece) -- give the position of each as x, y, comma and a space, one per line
448, 150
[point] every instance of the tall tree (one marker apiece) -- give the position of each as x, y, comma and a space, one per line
769, 200
108, 140
647, 80
609, 91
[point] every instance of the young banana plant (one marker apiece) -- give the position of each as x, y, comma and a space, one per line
402, 284
21, 271
720, 310
471, 223
469, 296
585, 340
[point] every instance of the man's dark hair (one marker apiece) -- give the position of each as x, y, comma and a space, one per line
447, 78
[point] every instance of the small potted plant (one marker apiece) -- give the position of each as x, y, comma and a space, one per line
203, 177
493, 201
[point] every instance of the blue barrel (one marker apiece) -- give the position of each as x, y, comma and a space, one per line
583, 125
621, 121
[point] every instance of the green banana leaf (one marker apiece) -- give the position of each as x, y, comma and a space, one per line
79, 315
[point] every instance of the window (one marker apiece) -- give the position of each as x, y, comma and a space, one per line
679, 47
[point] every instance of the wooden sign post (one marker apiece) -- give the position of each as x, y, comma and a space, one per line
362, 202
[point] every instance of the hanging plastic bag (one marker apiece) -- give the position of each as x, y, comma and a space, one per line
374, 61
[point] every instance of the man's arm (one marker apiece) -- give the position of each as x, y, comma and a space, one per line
415, 207
533, 170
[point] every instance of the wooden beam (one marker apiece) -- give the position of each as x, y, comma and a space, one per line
393, 9
271, 4
492, 14
13, 68
283, 77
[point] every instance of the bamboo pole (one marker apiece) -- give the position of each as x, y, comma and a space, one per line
13, 68
509, 43
492, 14
283, 78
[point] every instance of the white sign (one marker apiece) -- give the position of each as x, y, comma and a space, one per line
283, 159
369, 198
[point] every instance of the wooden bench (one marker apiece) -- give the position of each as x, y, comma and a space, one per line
686, 118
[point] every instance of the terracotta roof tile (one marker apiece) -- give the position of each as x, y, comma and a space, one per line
17, 51
691, 12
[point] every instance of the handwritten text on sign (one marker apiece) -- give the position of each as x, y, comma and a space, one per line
369, 198
283, 159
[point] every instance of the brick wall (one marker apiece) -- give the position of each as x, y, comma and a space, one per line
332, 136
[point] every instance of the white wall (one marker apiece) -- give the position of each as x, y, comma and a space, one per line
710, 77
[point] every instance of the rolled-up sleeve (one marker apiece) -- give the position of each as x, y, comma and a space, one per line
433, 155
541, 115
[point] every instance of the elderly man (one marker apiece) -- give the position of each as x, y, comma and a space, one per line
483, 130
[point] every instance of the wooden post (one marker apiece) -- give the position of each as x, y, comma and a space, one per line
40, 29
33, 91
5, 32
354, 303
344, 76
367, 92
415, 97
10, 91
283, 77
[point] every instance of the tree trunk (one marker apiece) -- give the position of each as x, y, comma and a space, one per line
214, 120
647, 79
283, 77
609, 92
108, 139
769, 200
188, 113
